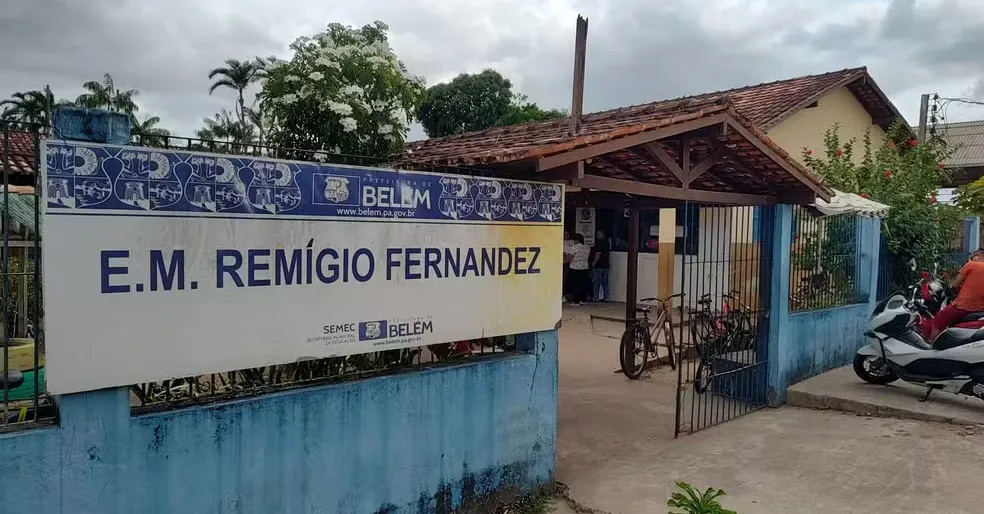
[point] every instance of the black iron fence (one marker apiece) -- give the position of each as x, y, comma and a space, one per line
23, 388
214, 387
824, 261
22, 340
252, 148
723, 340
895, 276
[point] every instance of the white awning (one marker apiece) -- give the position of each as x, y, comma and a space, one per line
844, 203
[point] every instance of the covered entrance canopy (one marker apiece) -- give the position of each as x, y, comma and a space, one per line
649, 156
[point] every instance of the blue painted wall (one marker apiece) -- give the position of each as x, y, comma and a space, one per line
818, 341
420, 442
805, 344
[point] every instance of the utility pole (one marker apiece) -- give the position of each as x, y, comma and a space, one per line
580, 50
923, 114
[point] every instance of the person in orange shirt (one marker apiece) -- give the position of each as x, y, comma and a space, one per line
970, 294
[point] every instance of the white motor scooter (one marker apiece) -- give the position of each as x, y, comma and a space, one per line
954, 363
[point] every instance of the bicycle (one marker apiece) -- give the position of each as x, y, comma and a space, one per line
812, 288
729, 330
640, 339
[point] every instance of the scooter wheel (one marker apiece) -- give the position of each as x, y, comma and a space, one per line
862, 367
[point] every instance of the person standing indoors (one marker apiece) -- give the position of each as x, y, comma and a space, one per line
580, 278
599, 268
566, 283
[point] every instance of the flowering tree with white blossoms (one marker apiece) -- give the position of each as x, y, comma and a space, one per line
343, 91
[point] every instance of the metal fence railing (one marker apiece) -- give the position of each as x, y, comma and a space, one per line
824, 262
214, 387
950, 263
22, 339
895, 275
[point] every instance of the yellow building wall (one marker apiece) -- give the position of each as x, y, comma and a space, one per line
805, 129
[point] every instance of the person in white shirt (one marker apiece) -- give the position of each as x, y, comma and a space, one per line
568, 245
580, 273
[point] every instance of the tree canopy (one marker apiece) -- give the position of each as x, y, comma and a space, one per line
30, 106
903, 174
476, 102
521, 111
236, 75
343, 91
105, 95
37, 106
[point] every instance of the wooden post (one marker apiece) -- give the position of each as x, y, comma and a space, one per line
667, 252
580, 51
923, 114
685, 162
632, 271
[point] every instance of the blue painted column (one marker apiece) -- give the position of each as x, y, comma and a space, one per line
782, 242
972, 234
544, 345
94, 430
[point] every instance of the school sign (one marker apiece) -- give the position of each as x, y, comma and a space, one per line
163, 264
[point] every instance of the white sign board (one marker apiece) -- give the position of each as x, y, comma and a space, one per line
163, 264
585, 224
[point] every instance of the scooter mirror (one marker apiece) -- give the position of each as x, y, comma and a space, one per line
912, 264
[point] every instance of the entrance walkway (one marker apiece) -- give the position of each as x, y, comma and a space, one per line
617, 454
841, 389
603, 416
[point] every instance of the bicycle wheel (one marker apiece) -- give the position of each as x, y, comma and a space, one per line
670, 343
704, 376
701, 330
633, 351
747, 333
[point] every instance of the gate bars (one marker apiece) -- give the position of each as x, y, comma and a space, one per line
726, 264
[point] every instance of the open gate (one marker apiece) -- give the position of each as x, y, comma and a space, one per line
725, 277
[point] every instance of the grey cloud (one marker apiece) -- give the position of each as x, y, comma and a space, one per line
143, 45
654, 53
637, 51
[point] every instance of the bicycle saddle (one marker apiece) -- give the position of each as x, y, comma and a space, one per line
645, 308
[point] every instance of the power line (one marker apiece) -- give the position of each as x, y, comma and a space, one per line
963, 100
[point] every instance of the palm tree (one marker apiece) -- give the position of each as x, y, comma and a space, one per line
260, 118
105, 95
29, 107
225, 128
218, 127
236, 75
32, 106
151, 134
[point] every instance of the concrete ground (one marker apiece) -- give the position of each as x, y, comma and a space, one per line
616, 451
593, 399
841, 389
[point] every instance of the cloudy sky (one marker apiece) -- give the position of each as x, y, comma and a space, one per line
638, 50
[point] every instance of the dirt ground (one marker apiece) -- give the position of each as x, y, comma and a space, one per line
617, 454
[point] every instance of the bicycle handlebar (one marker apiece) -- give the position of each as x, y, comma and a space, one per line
660, 299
